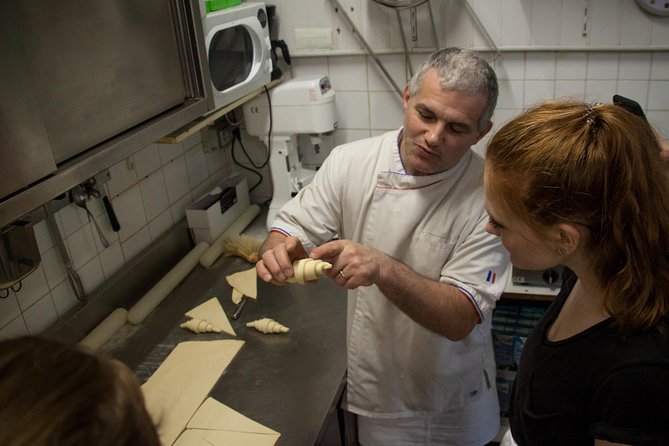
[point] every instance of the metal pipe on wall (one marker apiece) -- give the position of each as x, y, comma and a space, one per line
340, 10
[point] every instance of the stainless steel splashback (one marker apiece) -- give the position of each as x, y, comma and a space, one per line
84, 85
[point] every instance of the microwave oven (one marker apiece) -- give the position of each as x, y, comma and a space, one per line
238, 51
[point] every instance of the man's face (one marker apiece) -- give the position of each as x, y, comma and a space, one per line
439, 126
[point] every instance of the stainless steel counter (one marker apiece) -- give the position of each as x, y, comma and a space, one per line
288, 382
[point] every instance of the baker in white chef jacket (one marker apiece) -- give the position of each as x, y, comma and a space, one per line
423, 274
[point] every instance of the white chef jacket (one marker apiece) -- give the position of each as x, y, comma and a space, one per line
435, 225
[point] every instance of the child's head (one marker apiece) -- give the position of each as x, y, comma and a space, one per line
53, 393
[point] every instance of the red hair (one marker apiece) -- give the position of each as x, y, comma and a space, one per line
597, 166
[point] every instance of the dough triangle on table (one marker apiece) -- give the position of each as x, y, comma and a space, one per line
191, 437
245, 282
236, 296
182, 382
214, 415
212, 311
205, 437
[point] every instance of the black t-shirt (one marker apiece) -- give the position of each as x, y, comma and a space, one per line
597, 384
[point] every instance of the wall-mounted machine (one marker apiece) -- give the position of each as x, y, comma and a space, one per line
238, 51
298, 106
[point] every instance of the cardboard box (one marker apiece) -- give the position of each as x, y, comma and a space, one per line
213, 213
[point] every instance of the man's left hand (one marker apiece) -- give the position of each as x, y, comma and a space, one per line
353, 264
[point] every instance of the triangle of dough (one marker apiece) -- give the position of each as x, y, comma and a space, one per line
225, 438
212, 311
191, 437
236, 296
245, 282
215, 415
182, 382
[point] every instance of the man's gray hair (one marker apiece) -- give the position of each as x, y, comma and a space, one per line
463, 71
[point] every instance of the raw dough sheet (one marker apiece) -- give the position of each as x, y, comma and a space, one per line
203, 437
183, 381
215, 423
244, 282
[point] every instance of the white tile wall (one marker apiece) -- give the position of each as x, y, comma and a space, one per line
149, 192
545, 29
540, 65
512, 24
544, 55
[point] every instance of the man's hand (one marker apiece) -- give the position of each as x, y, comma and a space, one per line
353, 264
437, 306
277, 255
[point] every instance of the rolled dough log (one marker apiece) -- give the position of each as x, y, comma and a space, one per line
155, 295
214, 252
307, 269
105, 329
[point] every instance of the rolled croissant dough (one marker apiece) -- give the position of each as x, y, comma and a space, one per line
200, 326
267, 325
305, 270
212, 311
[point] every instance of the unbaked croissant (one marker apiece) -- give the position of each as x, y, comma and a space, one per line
267, 325
200, 326
307, 269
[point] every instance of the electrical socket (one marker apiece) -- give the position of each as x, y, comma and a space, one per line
224, 137
216, 138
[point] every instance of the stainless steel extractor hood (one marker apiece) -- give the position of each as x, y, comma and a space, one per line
85, 85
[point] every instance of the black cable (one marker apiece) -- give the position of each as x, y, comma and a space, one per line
236, 134
271, 123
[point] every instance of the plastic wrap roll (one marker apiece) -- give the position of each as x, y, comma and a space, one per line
216, 249
155, 295
105, 329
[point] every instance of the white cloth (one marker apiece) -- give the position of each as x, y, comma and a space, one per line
435, 225
507, 439
479, 422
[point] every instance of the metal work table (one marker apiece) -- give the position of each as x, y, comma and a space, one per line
291, 382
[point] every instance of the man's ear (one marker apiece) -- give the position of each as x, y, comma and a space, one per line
570, 237
405, 97
484, 131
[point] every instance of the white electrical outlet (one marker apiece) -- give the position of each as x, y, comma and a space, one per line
224, 138
313, 38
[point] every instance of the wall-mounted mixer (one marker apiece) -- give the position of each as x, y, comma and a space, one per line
298, 106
